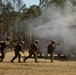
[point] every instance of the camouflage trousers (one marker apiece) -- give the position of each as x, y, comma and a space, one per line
17, 54
51, 56
2, 55
30, 55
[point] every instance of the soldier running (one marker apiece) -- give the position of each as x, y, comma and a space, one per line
3, 46
17, 50
33, 51
51, 47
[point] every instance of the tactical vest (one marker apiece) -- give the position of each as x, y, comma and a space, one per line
51, 48
33, 48
18, 48
4, 44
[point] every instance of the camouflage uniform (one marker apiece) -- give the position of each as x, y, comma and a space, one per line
51, 48
33, 51
3, 45
17, 50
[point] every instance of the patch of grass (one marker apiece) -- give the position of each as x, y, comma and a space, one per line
44, 67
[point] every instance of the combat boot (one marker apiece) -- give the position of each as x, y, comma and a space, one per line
11, 61
1, 60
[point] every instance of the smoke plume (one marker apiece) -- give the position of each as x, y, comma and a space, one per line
55, 24
60, 26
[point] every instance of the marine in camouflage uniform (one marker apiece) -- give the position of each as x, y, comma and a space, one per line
33, 51
18, 49
3, 46
51, 48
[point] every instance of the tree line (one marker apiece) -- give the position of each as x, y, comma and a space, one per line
14, 12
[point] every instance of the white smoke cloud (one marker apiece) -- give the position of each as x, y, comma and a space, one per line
56, 24
61, 27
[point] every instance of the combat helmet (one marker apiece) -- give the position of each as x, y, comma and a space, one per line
8, 38
22, 42
53, 41
36, 41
